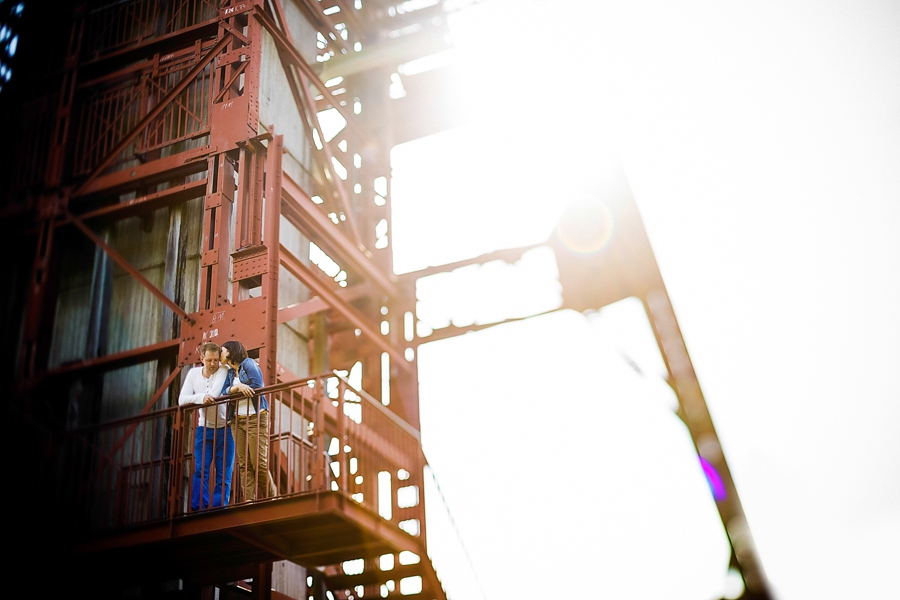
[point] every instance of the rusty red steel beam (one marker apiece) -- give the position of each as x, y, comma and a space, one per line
133, 70
330, 181
311, 16
37, 286
271, 237
154, 112
316, 304
327, 25
296, 203
162, 388
260, 514
129, 268
299, 102
450, 331
124, 359
223, 22
237, 73
351, 19
308, 129
698, 421
508, 255
320, 182
321, 22
152, 44
319, 287
110, 455
330, 173
282, 551
388, 414
339, 580
170, 166
172, 195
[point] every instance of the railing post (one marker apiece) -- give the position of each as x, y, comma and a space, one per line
115, 489
320, 396
344, 455
177, 458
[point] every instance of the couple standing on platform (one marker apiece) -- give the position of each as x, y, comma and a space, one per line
228, 370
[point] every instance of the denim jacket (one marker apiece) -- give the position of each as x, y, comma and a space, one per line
248, 373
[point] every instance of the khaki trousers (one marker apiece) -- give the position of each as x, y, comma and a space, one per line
251, 442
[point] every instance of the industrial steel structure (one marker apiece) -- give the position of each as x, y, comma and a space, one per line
184, 171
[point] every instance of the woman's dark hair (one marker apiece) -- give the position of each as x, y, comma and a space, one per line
236, 351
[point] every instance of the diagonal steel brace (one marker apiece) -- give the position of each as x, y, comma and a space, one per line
120, 260
154, 112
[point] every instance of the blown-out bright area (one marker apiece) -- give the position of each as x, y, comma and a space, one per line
761, 142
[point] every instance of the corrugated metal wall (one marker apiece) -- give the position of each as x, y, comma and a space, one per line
277, 106
73, 305
101, 309
135, 315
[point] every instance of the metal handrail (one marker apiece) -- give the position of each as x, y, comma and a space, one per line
140, 469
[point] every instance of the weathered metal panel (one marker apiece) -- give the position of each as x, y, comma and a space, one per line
112, 26
293, 336
125, 391
289, 579
135, 312
193, 220
73, 304
277, 106
303, 33
135, 315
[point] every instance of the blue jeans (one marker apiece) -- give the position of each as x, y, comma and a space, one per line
209, 441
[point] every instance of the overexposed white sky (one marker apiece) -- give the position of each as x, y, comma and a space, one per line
762, 143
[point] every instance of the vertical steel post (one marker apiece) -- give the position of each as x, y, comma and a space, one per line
320, 397
694, 412
215, 256
262, 582
343, 455
271, 239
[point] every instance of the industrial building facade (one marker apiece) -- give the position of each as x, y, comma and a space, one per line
188, 171
172, 184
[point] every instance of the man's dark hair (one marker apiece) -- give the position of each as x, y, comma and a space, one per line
236, 351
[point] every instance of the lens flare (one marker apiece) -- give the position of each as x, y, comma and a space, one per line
586, 227
712, 478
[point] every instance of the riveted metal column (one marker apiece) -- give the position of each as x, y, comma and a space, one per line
216, 258
272, 226
262, 582
321, 458
694, 412
35, 308
48, 207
